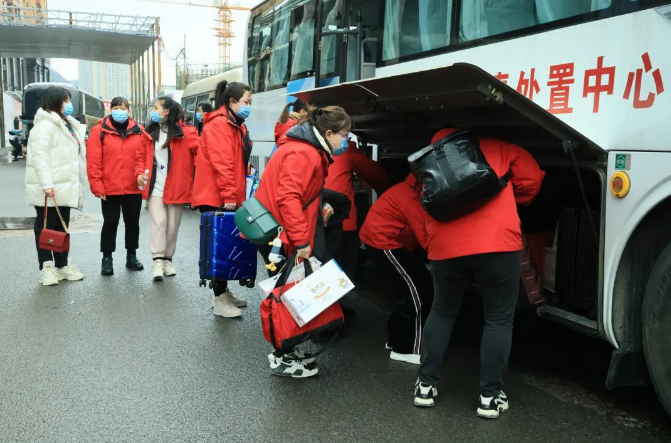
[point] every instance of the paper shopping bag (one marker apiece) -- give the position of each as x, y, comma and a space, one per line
311, 296
297, 273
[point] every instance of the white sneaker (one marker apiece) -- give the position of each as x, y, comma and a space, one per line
239, 302
49, 275
305, 357
225, 308
70, 273
288, 366
158, 270
168, 269
408, 358
491, 407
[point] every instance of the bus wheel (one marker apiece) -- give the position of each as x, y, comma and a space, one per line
657, 327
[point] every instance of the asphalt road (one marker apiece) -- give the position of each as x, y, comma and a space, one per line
122, 358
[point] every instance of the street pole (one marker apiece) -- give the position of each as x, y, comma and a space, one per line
184, 65
2, 107
160, 49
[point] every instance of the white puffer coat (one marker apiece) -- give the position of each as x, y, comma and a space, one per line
56, 160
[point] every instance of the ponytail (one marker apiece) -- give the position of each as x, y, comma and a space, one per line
226, 91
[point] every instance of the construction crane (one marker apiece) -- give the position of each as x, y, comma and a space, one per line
224, 31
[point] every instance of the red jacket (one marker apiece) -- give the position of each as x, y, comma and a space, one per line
110, 159
353, 161
395, 220
220, 169
181, 152
282, 128
494, 227
293, 176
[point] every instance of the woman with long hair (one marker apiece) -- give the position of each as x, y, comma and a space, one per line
290, 189
164, 167
55, 174
221, 169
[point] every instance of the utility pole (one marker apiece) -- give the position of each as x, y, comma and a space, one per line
184, 65
2, 107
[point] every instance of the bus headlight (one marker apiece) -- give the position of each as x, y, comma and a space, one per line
620, 184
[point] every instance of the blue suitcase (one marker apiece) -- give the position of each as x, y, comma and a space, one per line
224, 255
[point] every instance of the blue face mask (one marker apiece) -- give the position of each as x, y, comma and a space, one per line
120, 116
199, 117
155, 117
244, 111
68, 109
344, 145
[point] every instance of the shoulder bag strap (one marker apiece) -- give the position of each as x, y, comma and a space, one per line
58, 211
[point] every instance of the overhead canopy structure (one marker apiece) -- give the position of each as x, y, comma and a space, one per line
32, 33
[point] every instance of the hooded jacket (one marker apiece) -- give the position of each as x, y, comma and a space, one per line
110, 158
181, 152
221, 163
396, 219
495, 226
293, 177
56, 160
282, 128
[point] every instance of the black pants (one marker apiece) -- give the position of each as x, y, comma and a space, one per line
413, 290
131, 206
498, 276
60, 259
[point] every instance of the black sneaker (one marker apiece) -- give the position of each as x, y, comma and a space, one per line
491, 407
289, 366
424, 394
133, 263
107, 266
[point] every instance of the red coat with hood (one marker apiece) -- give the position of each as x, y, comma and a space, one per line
282, 128
181, 152
221, 164
110, 158
294, 175
395, 220
340, 178
495, 226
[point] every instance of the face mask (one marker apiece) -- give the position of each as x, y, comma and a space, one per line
120, 116
344, 145
68, 109
199, 117
244, 111
155, 117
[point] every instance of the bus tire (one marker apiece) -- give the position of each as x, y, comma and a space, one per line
657, 327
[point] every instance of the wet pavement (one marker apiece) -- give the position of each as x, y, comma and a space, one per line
124, 359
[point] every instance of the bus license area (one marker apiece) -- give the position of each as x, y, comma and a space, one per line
598, 80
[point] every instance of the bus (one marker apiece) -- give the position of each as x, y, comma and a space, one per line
88, 110
202, 91
579, 83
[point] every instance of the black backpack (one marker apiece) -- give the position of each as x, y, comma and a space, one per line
455, 176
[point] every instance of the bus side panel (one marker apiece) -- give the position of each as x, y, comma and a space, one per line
636, 232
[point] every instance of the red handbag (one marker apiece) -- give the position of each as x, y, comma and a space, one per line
279, 327
50, 239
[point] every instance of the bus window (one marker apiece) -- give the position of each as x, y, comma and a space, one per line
260, 40
482, 18
205, 98
190, 106
279, 48
302, 38
414, 26
331, 15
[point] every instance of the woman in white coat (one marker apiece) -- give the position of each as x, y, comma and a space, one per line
56, 168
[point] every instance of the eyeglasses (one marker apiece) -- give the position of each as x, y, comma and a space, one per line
346, 136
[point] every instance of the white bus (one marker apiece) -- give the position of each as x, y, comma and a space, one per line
579, 83
202, 91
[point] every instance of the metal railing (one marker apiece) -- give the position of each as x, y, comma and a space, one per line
128, 24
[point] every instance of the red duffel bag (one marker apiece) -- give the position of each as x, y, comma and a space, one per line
279, 327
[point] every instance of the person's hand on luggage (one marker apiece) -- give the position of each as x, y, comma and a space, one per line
50, 192
304, 252
229, 206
